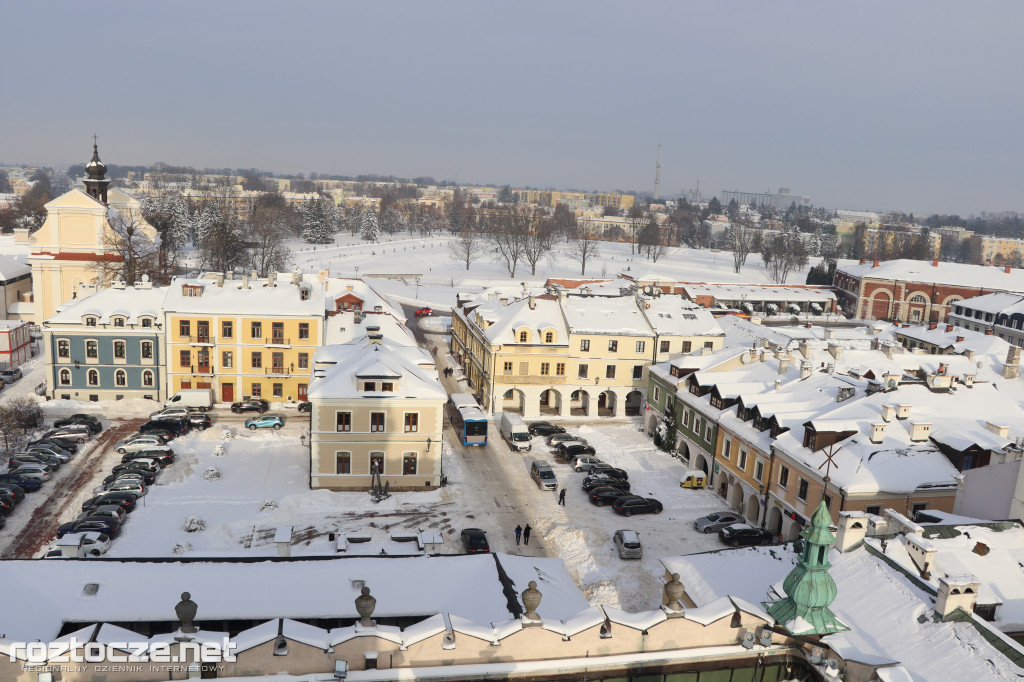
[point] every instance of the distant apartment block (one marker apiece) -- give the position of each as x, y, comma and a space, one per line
780, 201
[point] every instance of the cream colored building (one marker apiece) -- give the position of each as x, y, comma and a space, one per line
574, 355
377, 406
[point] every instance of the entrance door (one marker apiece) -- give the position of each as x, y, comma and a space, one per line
227, 393
302, 393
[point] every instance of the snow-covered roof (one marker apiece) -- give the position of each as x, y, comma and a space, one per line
958, 339
880, 605
10, 269
258, 298
991, 303
339, 369
944, 272
620, 316
674, 315
343, 328
50, 593
507, 320
754, 292
106, 304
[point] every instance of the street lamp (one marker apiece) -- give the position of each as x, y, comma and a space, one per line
417, 287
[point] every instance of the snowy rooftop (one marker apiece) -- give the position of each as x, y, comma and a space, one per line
343, 328
51, 593
259, 297
10, 268
106, 304
957, 338
991, 303
751, 292
619, 316
880, 606
545, 314
954, 274
673, 315
339, 369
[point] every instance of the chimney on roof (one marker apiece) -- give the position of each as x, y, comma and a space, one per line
271, 279
254, 275
959, 338
863, 261
888, 412
805, 369
805, 349
374, 334
296, 276
933, 325
778, 384
956, 592
1007, 269
949, 327
851, 529
835, 350
783, 364
1011, 368
220, 279
935, 262
875, 264
245, 281
877, 433
562, 293
988, 332
532, 302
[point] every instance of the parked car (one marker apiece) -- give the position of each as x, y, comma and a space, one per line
12, 491
628, 544
693, 479
163, 434
172, 426
267, 421
76, 433
20, 458
251, 405
607, 470
583, 462
544, 429
596, 481
171, 413
98, 524
424, 312
29, 485
126, 501
62, 443
109, 510
10, 375
556, 438
606, 494
92, 422
40, 472
475, 541
634, 504
741, 534
138, 488
93, 544
9, 498
717, 521
567, 451
200, 420
164, 457
305, 407
543, 476
136, 444
50, 449
40, 389
6, 506
145, 477
150, 465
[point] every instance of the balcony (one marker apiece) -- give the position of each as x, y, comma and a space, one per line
280, 341
200, 340
206, 370
278, 371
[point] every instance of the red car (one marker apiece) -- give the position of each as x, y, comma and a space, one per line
424, 312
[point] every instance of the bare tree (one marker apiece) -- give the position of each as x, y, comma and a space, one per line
781, 254
583, 247
742, 243
637, 222
651, 240
265, 236
134, 251
508, 230
537, 242
467, 246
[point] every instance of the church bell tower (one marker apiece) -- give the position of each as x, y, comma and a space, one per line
96, 181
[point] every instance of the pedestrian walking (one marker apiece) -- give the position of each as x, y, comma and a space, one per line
519, 533
561, 497
526, 534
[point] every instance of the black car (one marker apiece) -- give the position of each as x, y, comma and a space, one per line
251, 405
61, 443
12, 491
544, 429
87, 419
199, 420
6, 505
608, 470
136, 466
606, 494
163, 456
742, 534
591, 482
566, 451
29, 485
475, 541
305, 407
127, 501
634, 504
148, 477
98, 524
175, 427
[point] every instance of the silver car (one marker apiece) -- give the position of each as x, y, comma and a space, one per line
628, 544
171, 413
712, 523
40, 472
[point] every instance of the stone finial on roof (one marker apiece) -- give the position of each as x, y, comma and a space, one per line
673, 594
531, 600
365, 604
186, 610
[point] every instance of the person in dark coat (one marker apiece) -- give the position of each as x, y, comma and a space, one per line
526, 534
561, 497
519, 533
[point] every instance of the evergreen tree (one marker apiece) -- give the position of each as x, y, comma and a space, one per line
369, 228
319, 221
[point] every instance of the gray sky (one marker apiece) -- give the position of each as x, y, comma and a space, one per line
912, 105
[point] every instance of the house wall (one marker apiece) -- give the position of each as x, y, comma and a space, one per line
133, 365
991, 492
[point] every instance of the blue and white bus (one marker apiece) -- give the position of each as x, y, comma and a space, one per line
468, 420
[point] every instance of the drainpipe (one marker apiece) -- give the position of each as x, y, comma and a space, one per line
767, 485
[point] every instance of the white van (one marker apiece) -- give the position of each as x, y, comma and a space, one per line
514, 431
197, 398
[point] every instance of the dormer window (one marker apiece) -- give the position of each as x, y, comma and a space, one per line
549, 337
522, 337
118, 321
147, 322
369, 385
387, 387
90, 322
191, 290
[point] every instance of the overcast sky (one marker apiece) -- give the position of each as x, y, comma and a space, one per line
912, 105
